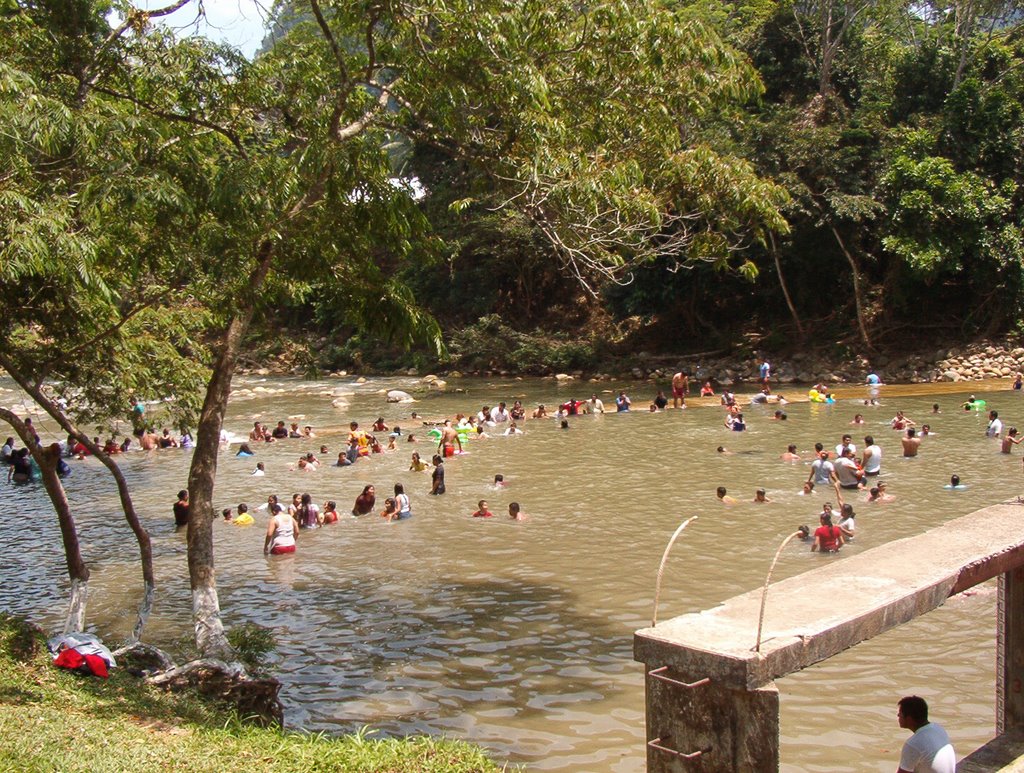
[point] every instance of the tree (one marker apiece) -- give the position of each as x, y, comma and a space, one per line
584, 119
87, 205
78, 572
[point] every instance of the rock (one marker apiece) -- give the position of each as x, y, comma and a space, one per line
339, 402
361, 380
412, 372
438, 384
398, 396
455, 374
563, 377
636, 373
951, 375
428, 379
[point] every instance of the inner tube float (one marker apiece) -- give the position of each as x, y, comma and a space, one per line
817, 397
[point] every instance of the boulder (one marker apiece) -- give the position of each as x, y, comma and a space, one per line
438, 384
398, 396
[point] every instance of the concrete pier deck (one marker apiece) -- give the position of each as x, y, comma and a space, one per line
848, 599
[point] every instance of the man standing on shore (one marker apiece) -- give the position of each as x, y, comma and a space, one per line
680, 386
928, 750
765, 371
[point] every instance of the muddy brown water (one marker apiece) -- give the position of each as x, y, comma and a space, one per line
518, 636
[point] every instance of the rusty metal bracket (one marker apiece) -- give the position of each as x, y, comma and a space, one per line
657, 673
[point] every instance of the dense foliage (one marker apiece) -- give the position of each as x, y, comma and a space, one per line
895, 128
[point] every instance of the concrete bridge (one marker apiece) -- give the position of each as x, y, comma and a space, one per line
712, 705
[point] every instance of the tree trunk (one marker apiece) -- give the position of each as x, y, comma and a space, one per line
127, 505
857, 292
211, 640
785, 289
77, 570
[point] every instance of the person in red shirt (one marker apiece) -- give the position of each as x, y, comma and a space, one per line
483, 512
827, 538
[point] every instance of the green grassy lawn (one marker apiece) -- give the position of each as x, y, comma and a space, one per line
53, 720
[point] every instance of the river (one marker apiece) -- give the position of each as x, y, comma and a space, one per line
518, 635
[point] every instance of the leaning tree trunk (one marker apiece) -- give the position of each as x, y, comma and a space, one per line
785, 288
77, 570
857, 291
127, 505
211, 640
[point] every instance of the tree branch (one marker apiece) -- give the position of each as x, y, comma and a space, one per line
193, 120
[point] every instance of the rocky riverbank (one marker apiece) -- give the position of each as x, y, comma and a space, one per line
974, 362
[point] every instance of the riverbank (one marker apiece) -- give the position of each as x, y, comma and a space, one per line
51, 719
496, 350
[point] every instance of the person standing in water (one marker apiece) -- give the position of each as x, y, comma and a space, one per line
402, 504
437, 477
680, 386
282, 533
911, 443
181, 509
448, 440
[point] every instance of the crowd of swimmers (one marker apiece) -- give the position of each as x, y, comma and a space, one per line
843, 470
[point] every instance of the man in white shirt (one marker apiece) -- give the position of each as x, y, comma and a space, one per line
872, 460
847, 443
928, 750
995, 425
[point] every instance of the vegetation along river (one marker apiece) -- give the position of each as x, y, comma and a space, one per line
518, 635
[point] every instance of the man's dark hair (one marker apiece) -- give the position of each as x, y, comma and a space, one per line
915, 709
869, 440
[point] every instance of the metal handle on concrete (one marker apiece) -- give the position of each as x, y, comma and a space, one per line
657, 674
656, 744
661, 567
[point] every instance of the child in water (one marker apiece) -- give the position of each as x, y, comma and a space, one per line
483, 512
330, 513
390, 511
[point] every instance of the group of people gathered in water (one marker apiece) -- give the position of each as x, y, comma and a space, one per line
842, 470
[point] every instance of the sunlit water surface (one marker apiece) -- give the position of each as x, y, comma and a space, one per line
518, 636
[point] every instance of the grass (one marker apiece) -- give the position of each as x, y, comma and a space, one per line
53, 720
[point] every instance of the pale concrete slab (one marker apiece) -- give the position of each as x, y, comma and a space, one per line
807, 620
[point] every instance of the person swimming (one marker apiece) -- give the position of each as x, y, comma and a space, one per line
954, 484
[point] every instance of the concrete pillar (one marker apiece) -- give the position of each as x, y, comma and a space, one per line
1010, 655
735, 730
